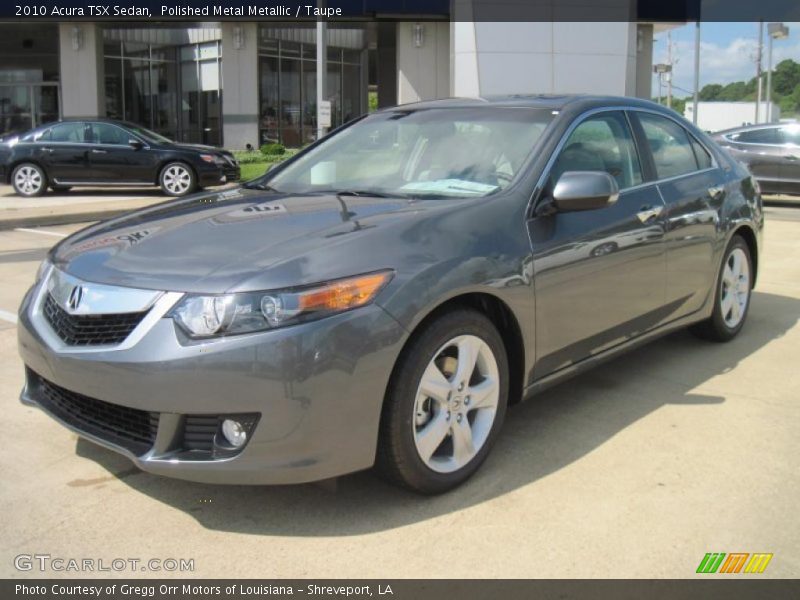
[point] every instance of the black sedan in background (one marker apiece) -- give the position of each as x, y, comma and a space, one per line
102, 152
771, 152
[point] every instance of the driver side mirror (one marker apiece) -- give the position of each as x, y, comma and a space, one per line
135, 144
584, 190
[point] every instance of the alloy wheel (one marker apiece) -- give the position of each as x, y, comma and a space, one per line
177, 179
735, 292
456, 404
28, 180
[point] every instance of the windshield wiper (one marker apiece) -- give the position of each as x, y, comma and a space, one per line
264, 187
369, 193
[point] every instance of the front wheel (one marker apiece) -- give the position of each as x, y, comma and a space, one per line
29, 180
446, 403
732, 300
177, 179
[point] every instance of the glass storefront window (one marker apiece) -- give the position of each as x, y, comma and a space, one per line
29, 73
288, 89
172, 89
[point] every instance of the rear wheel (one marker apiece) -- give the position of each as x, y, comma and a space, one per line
446, 403
177, 179
732, 300
29, 180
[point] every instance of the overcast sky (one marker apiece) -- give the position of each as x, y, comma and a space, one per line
727, 53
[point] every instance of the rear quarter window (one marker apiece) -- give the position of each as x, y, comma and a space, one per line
671, 146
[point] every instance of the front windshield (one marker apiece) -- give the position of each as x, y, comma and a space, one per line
441, 152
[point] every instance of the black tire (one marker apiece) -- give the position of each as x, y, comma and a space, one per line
175, 172
61, 188
716, 328
29, 180
398, 459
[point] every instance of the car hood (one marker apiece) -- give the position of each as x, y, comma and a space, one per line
197, 148
243, 239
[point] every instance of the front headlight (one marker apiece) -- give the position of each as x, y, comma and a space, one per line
246, 312
213, 159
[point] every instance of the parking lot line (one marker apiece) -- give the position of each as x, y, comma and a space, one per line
41, 232
8, 316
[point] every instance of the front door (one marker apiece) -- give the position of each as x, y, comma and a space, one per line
112, 159
599, 274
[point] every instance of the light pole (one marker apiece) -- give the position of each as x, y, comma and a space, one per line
696, 72
776, 31
660, 69
759, 58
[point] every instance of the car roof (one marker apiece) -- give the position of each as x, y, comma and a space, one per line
755, 126
541, 101
90, 120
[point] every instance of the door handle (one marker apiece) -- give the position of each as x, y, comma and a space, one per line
96, 151
47, 149
649, 212
716, 190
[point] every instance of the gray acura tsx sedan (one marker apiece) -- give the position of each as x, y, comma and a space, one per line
382, 297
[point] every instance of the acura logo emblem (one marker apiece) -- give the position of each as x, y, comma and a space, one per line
75, 297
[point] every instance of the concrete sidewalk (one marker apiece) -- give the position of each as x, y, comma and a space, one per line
76, 206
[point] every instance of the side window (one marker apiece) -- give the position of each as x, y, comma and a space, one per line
66, 132
672, 151
769, 135
105, 133
791, 134
704, 160
601, 143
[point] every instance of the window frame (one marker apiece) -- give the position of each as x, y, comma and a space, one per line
49, 130
690, 138
728, 136
643, 171
129, 134
651, 176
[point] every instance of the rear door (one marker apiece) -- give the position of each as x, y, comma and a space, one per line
790, 165
599, 274
762, 151
112, 159
693, 189
63, 151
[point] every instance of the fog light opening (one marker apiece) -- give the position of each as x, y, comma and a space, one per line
234, 433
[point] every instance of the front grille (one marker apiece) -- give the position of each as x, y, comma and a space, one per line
89, 330
199, 431
120, 425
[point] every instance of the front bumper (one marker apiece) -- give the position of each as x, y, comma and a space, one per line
218, 175
316, 388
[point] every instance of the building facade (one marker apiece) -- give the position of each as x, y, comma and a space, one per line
238, 83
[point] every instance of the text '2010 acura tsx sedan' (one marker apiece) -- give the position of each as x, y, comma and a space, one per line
382, 297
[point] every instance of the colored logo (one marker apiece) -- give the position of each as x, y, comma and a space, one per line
735, 562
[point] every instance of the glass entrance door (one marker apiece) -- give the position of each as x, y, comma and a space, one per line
24, 106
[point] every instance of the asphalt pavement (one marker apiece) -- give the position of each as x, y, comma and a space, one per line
636, 469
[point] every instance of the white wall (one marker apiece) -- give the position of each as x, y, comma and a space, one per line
716, 116
82, 74
544, 58
423, 73
240, 109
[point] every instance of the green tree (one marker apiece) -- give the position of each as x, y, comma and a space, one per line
733, 92
785, 77
710, 92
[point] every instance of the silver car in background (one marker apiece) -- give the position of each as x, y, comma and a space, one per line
771, 152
